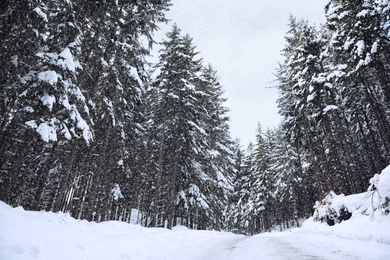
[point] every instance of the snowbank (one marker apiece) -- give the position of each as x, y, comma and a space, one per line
382, 184
359, 227
45, 235
373, 204
355, 219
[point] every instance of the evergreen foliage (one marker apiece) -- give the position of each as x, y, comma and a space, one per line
71, 113
86, 128
191, 135
333, 87
333, 96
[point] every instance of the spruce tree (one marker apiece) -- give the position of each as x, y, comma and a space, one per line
48, 108
72, 123
190, 141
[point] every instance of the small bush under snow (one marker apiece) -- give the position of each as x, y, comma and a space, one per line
375, 201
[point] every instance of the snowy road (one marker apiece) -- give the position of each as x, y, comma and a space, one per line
292, 246
266, 248
41, 235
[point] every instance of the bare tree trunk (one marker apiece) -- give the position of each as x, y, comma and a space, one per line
40, 193
93, 193
65, 181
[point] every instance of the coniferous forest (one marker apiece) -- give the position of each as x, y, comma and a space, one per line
89, 127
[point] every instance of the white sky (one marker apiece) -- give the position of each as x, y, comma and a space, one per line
242, 40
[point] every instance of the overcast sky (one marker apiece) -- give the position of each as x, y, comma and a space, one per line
242, 40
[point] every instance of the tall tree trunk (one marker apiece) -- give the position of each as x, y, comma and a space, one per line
60, 199
93, 193
39, 195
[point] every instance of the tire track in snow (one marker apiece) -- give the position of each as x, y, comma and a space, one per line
256, 247
222, 249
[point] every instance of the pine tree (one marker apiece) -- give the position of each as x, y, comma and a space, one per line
72, 118
190, 142
113, 76
265, 179
242, 211
333, 95
218, 160
313, 107
47, 108
360, 53
179, 122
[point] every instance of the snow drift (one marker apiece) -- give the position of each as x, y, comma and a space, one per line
375, 203
46, 235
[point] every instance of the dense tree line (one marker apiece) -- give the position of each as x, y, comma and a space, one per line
272, 188
334, 94
87, 127
71, 115
334, 99
84, 127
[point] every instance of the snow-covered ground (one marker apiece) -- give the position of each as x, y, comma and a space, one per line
44, 235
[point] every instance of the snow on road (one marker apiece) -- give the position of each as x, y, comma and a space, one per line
297, 245
41, 235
